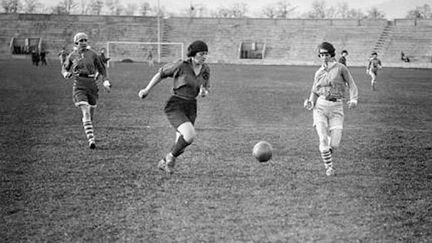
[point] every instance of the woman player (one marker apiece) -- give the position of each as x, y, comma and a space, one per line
191, 79
83, 64
325, 100
372, 68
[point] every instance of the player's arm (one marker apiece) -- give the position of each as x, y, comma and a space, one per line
66, 66
101, 68
205, 88
353, 90
309, 103
155, 80
168, 70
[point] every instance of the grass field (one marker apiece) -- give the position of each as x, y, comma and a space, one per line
55, 189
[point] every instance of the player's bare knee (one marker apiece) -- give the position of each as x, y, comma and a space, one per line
323, 141
334, 146
85, 112
189, 136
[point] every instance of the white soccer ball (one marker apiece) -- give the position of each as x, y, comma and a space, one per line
262, 151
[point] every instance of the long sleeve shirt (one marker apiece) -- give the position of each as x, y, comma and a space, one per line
374, 64
332, 80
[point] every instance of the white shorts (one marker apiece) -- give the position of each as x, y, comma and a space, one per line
328, 112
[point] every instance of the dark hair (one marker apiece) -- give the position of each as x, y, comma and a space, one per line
195, 47
328, 47
344, 51
374, 53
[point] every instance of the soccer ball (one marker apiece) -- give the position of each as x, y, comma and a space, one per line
262, 151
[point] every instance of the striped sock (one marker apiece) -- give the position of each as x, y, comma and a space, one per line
327, 158
88, 129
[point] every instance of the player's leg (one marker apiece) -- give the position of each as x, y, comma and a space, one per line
88, 125
336, 125
321, 124
335, 138
184, 137
181, 114
373, 79
324, 148
86, 102
92, 111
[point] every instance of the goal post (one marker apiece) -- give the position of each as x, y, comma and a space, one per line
144, 51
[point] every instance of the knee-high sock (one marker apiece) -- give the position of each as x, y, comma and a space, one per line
179, 146
88, 129
327, 158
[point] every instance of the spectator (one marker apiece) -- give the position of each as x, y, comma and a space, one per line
35, 57
343, 59
43, 57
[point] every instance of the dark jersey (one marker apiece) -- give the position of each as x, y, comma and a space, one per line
342, 60
186, 83
84, 64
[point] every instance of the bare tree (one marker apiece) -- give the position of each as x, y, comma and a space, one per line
145, 9
161, 11
374, 13
196, 10
65, 7
342, 10
11, 6
237, 10
284, 9
281, 9
31, 6
114, 7
356, 14
95, 7
319, 8
130, 9
270, 11
422, 12
221, 12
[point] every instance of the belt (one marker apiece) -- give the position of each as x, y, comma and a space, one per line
332, 99
86, 75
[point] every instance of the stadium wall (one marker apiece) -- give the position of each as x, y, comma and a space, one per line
284, 41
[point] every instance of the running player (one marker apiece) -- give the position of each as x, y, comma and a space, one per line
82, 64
372, 68
325, 100
191, 79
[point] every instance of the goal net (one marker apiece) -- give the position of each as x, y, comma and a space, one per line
144, 51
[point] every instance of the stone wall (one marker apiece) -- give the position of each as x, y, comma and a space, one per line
285, 41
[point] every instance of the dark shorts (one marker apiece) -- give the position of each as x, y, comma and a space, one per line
83, 96
85, 91
179, 111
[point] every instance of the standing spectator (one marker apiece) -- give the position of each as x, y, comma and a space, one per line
372, 68
43, 57
62, 55
343, 59
150, 58
35, 57
404, 57
191, 79
103, 58
82, 64
325, 99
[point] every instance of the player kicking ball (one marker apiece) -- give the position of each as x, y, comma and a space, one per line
191, 80
82, 65
325, 101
